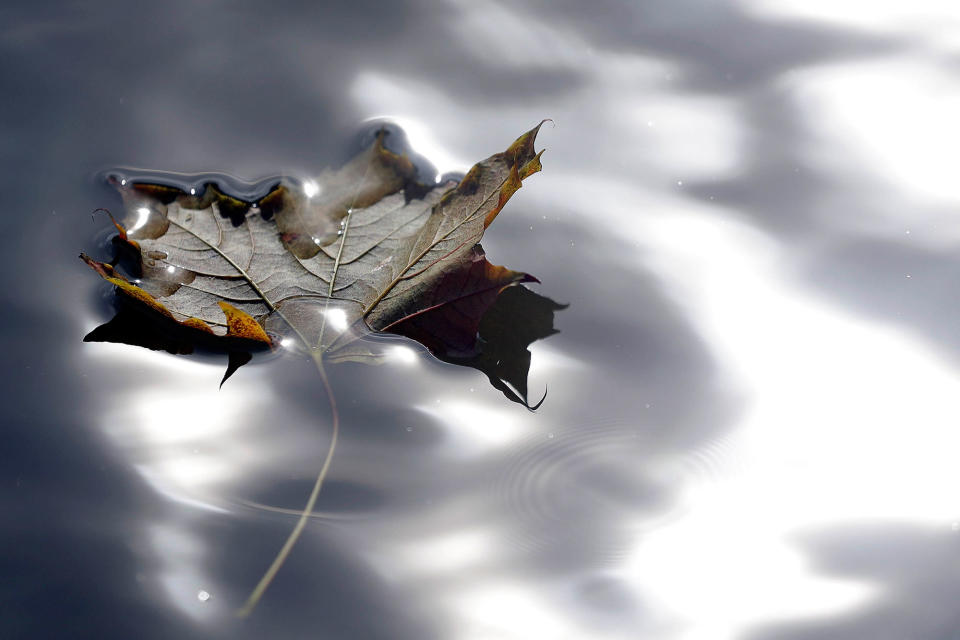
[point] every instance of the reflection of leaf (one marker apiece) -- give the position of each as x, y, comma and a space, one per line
353, 246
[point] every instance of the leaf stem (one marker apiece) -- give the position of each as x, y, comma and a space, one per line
317, 353
281, 557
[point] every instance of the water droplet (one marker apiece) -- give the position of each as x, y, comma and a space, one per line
339, 232
203, 596
193, 191
679, 183
171, 268
550, 435
123, 182
409, 428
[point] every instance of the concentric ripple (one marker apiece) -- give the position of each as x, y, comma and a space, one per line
582, 488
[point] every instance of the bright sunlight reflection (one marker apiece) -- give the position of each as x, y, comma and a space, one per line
827, 415
143, 214
401, 354
445, 553
908, 143
336, 319
188, 441
507, 610
419, 134
194, 444
473, 428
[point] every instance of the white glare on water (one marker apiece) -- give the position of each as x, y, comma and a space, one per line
143, 214
402, 355
336, 319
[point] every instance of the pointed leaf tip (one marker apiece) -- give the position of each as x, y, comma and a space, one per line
241, 324
537, 406
522, 150
102, 268
236, 359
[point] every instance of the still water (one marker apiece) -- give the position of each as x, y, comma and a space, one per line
751, 425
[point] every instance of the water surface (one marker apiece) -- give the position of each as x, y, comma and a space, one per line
750, 428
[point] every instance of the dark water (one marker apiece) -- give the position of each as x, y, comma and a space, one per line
750, 430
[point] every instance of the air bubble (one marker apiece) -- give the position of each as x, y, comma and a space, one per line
203, 595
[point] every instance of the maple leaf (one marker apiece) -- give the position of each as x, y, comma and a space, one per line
364, 248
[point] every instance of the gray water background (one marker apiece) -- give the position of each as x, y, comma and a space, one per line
126, 476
